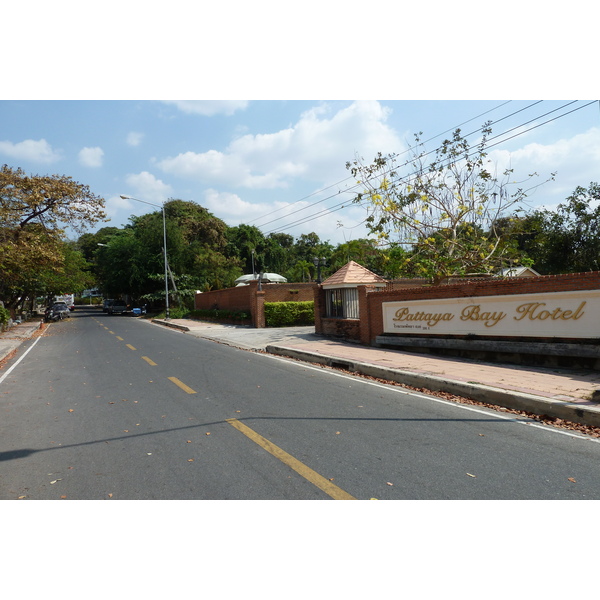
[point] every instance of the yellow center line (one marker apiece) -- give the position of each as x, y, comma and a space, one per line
112, 332
150, 362
182, 385
119, 338
324, 484
130, 346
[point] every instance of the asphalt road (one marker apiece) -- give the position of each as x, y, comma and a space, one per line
113, 407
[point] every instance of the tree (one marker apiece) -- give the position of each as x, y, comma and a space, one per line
444, 209
53, 201
33, 211
566, 240
247, 243
131, 260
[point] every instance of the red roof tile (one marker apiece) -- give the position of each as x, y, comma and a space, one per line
353, 273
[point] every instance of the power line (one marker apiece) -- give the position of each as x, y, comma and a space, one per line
342, 205
404, 152
350, 177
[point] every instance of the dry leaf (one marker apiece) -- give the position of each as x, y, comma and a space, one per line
71, 410
110, 495
63, 497
337, 432
190, 460
21, 497
189, 442
126, 430
208, 433
469, 474
331, 478
572, 480
389, 483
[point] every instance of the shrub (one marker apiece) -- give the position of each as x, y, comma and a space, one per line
4, 316
289, 314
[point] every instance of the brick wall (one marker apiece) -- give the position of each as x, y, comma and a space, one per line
247, 298
370, 300
373, 325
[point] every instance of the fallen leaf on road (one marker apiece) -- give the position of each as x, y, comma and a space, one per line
331, 478
21, 497
71, 410
189, 442
63, 497
208, 433
469, 474
149, 453
190, 460
110, 495
53, 482
572, 480
338, 432
389, 483
126, 430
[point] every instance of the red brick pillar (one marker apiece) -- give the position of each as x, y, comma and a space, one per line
363, 315
319, 297
258, 310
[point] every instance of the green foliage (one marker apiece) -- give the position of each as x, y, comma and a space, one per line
289, 314
566, 240
4, 316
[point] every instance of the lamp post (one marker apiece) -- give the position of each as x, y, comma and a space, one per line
162, 207
319, 262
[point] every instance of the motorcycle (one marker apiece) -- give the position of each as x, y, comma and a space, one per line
56, 313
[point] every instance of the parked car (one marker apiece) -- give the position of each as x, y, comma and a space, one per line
118, 307
106, 305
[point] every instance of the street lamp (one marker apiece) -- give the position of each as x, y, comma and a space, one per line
162, 207
319, 262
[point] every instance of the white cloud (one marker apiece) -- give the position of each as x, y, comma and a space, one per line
134, 138
148, 188
35, 151
279, 216
575, 161
209, 108
316, 148
91, 157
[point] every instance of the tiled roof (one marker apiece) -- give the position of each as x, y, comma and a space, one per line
353, 273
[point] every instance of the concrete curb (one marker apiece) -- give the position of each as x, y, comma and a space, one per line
508, 398
171, 325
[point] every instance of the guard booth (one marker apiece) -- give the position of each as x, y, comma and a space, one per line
336, 307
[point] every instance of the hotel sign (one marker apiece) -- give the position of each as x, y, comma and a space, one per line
559, 314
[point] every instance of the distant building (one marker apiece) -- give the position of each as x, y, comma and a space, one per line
519, 272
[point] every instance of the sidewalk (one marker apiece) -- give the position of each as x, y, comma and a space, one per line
10, 340
561, 393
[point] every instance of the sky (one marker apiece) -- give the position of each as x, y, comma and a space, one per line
280, 164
